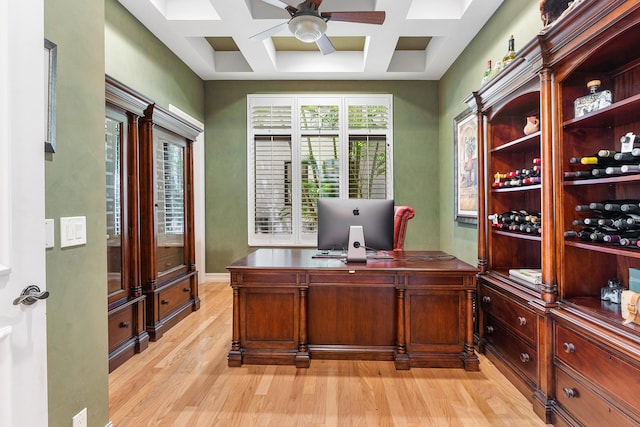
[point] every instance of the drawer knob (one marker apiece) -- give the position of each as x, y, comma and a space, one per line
186, 289
486, 299
522, 321
124, 324
570, 392
524, 357
164, 301
568, 347
490, 330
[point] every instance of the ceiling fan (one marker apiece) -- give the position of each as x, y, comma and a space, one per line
307, 24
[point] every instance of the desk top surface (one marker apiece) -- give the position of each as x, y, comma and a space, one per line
302, 259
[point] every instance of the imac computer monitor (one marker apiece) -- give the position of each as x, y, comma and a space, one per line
368, 221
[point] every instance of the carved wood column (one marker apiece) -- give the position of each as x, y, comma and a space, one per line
401, 357
235, 354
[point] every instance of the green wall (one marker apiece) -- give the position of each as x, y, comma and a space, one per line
74, 184
520, 18
135, 57
93, 38
415, 158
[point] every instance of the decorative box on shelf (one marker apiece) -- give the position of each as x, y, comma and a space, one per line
594, 101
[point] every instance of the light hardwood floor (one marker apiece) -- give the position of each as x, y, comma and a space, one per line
183, 380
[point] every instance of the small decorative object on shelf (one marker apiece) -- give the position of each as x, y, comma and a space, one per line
630, 307
532, 126
594, 101
487, 73
612, 292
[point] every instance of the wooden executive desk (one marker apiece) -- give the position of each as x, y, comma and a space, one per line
414, 309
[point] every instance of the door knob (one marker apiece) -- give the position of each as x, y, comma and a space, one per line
30, 295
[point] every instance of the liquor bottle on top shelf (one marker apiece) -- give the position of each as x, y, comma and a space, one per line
511, 52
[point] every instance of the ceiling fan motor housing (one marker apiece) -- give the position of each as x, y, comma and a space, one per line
307, 27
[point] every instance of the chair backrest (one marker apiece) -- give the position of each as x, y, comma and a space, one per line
402, 215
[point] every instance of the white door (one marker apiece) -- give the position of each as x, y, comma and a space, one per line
23, 361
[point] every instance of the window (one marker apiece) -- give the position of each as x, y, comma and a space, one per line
302, 147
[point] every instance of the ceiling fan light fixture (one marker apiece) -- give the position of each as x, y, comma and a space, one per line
307, 28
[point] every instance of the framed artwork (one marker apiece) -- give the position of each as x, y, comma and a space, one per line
465, 143
50, 59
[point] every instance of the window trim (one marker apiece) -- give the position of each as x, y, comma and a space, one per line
295, 101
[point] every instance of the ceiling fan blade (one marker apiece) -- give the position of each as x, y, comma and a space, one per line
364, 17
325, 45
270, 32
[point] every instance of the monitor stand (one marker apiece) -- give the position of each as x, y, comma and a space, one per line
357, 251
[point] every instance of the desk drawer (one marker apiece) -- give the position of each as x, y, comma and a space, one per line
517, 352
585, 405
354, 277
515, 316
600, 364
173, 297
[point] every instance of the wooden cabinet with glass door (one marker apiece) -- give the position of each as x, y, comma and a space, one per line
168, 267
127, 334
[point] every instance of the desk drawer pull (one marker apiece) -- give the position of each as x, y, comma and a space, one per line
490, 330
486, 299
570, 392
568, 347
522, 321
124, 324
164, 301
524, 357
186, 289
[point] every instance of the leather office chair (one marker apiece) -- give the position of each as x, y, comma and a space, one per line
402, 214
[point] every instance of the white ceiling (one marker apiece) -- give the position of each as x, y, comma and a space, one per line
182, 25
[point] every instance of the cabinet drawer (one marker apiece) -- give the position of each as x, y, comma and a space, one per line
121, 326
517, 317
519, 354
585, 405
172, 297
599, 364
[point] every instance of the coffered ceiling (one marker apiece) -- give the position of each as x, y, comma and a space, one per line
418, 40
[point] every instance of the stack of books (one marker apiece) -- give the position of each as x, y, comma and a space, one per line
530, 275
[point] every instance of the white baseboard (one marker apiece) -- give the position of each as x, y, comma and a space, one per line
216, 277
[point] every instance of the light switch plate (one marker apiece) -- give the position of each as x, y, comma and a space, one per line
49, 233
73, 231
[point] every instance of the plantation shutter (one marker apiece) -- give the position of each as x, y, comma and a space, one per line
369, 154
319, 157
271, 163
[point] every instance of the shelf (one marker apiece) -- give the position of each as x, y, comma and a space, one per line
630, 178
516, 189
608, 249
526, 143
618, 113
609, 312
523, 236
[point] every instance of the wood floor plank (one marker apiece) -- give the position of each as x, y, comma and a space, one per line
183, 380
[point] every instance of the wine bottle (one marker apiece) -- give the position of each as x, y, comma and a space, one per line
627, 221
487, 73
631, 242
511, 52
583, 233
578, 174
630, 168
615, 237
